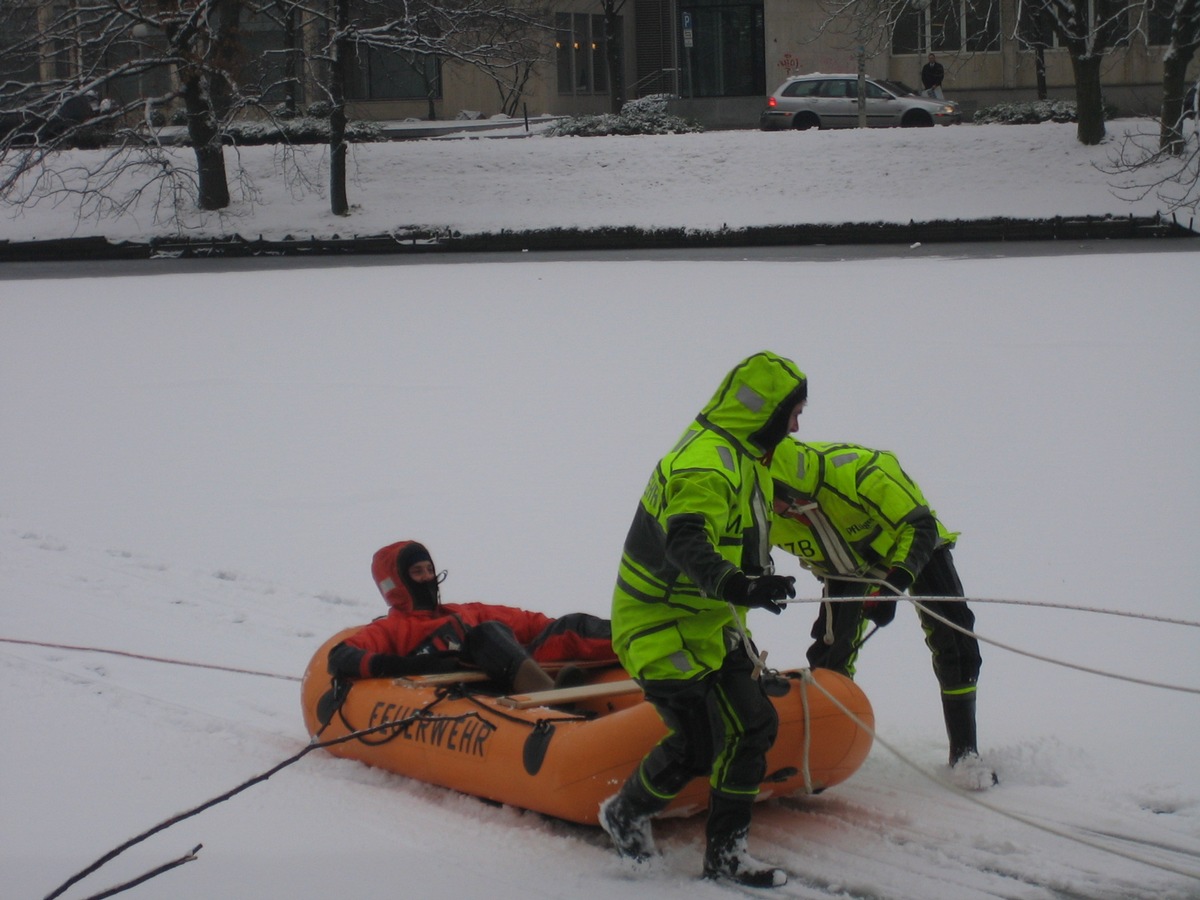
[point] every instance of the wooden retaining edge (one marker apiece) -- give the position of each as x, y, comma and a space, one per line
569, 695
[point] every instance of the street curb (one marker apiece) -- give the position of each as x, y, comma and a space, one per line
616, 238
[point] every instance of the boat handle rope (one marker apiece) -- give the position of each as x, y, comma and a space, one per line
421, 714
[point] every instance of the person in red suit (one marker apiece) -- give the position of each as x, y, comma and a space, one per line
421, 635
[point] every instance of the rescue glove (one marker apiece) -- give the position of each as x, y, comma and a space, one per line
880, 611
761, 592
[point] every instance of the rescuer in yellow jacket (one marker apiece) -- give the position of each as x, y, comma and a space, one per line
696, 557
854, 518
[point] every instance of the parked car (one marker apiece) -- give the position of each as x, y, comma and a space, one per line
831, 101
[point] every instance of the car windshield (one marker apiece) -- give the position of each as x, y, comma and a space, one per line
898, 87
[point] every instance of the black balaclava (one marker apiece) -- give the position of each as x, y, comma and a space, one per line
425, 595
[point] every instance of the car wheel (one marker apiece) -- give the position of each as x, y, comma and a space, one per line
916, 118
805, 121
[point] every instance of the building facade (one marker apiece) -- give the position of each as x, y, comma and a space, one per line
718, 58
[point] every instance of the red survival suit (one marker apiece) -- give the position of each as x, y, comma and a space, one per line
434, 636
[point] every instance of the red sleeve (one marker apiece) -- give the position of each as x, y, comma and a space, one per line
378, 637
575, 636
569, 646
391, 634
525, 625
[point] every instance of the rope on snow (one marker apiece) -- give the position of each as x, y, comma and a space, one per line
159, 659
314, 744
806, 675
760, 663
158, 870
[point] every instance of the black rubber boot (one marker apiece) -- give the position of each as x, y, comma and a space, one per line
959, 711
726, 856
968, 771
625, 817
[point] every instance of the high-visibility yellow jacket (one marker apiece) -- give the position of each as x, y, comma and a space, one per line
705, 514
844, 509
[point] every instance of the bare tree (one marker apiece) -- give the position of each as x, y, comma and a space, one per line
611, 10
1168, 164
1185, 40
139, 57
204, 40
1086, 28
495, 36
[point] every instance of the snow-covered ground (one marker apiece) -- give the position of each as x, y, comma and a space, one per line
199, 467
703, 181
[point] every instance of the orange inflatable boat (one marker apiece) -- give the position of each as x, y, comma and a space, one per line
563, 760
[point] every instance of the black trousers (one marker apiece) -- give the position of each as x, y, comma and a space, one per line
956, 658
721, 726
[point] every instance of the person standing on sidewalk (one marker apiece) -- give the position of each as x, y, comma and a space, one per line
932, 75
696, 557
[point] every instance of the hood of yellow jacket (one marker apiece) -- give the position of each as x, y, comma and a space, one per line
755, 402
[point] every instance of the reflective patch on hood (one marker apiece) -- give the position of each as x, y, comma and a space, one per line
680, 661
750, 398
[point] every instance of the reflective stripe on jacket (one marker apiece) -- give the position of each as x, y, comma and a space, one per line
853, 510
704, 515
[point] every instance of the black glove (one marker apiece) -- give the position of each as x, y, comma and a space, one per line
879, 611
393, 665
761, 592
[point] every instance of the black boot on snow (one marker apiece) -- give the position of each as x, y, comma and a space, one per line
625, 817
728, 859
959, 713
967, 770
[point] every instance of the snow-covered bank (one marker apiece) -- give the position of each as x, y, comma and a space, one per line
708, 181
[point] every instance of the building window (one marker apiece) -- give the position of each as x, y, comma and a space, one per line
581, 53
379, 74
1160, 15
947, 26
1033, 27
727, 57
20, 68
1110, 17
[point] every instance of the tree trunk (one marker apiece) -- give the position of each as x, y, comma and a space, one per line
612, 56
1170, 139
206, 142
1089, 99
1185, 40
224, 45
291, 65
339, 203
